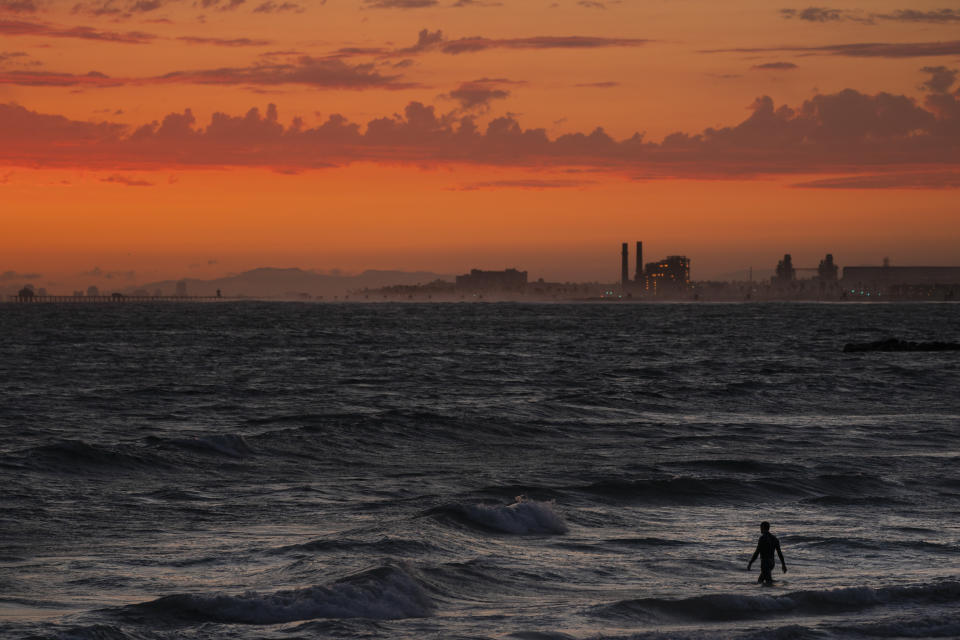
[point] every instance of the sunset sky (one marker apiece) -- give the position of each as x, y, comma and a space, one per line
149, 139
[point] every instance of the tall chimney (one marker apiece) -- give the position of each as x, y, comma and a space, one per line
639, 261
624, 265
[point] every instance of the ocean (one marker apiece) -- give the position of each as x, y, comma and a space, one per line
519, 471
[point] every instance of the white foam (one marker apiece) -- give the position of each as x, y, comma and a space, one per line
522, 517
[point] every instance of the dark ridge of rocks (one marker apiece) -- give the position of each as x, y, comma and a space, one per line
893, 344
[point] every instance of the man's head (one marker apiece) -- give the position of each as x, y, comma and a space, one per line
764, 526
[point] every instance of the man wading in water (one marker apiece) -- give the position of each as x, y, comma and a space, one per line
765, 548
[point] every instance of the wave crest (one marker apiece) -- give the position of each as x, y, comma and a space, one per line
385, 593
523, 517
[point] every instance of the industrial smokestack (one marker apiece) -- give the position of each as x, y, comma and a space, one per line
624, 265
639, 273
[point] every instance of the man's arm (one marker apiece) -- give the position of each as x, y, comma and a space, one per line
755, 554
783, 564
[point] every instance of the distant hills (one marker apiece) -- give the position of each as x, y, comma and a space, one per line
291, 283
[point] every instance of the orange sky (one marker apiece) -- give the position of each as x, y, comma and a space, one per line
450, 134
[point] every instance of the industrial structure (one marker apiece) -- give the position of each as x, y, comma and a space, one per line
901, 282
667, 277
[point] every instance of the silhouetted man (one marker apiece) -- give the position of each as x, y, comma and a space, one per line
766, 545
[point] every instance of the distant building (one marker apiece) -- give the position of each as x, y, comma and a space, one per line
886, 279
507, 280
827, 271
181, 288
785, 273
26, 293
93, 291
669, 276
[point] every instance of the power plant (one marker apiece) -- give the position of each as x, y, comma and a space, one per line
667, 277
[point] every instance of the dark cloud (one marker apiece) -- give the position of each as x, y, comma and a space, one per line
131, 8
222, 5
279, 7
862, 49
23, 28
225, 42
314, 72
843, 132
941, 79
426, 40
359, 51
476, 3
93, 79
478, 94
127, 181
591, 4
436, 41
116, 9
929, 180
18, 6
537, 185
475, 44
143, 6
400, 4
940, 16
823, 14
814, 14
777, 66
307, 71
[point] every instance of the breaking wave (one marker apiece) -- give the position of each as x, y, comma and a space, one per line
523, 517
385, 593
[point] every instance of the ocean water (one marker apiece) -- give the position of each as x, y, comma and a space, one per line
532, 472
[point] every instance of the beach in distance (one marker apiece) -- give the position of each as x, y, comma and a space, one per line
289, 470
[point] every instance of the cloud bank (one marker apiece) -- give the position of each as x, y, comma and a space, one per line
843, 132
